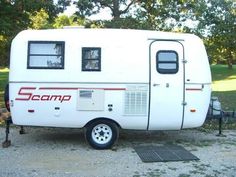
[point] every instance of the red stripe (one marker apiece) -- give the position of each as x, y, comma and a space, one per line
28, 88
63, 88
56, 88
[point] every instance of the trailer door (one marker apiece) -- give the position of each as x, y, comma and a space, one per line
166, 85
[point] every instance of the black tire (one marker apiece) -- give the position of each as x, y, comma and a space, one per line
101, 134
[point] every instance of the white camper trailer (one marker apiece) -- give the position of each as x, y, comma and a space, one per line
106, 79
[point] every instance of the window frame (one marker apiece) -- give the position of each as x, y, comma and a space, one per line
62, 43
84, 49
167, 71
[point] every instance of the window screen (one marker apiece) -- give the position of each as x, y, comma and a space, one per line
91, 59
45, 55
167, 62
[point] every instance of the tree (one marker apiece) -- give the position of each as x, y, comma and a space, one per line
218, 25
17, 15
39, 20
64, 20
117, 7
214, 20
168, 15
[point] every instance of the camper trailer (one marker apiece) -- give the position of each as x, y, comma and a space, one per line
104, 80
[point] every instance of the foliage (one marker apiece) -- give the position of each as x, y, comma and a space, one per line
39, 20
141, 14
125, 23
4, 50
17, 15
219, 22
224, 86
117, 7
3, 82
63, 20
168, 15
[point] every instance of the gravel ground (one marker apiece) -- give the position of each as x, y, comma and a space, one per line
64, 152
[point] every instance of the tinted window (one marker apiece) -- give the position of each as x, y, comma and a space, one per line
45, 55
91, 59
167, 62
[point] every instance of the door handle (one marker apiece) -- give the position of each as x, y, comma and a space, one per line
155, 85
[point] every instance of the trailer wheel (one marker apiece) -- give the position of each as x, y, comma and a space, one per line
102, 134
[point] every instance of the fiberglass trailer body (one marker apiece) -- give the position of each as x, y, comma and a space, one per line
105, 79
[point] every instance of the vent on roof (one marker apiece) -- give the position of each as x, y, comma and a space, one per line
73, 27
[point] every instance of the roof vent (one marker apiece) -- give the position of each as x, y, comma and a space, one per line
73, 27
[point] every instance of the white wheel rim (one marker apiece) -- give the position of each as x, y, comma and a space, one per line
101, 134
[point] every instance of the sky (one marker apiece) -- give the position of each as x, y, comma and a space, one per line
105, 14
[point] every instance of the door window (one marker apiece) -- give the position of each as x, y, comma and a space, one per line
167, 62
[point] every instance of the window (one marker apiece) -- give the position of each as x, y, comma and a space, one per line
91, 59
45, 55
85, 93
167, 62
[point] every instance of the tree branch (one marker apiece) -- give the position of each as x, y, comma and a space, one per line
128, 6
105, 4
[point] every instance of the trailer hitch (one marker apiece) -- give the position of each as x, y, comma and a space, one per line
215, 112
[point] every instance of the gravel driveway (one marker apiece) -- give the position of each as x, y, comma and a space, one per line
63, 152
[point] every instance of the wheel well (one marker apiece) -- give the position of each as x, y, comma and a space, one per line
102, 118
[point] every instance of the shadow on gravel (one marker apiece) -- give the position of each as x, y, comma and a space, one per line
127, 138
58, 136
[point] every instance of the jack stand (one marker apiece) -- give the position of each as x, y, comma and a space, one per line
7, 142
220, 127
22, 130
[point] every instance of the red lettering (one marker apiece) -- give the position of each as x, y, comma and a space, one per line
65, 98
45, 98
56, 97
35, 97
25, 96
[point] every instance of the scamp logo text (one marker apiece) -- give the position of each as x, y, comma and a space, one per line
27, 94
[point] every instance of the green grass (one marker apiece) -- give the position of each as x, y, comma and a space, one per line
3, 82
224, 85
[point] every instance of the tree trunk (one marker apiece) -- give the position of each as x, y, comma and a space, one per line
230, 60
116, 9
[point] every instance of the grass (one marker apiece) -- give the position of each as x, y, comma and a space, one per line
224, 85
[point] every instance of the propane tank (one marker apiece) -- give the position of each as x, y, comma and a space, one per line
215, 106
